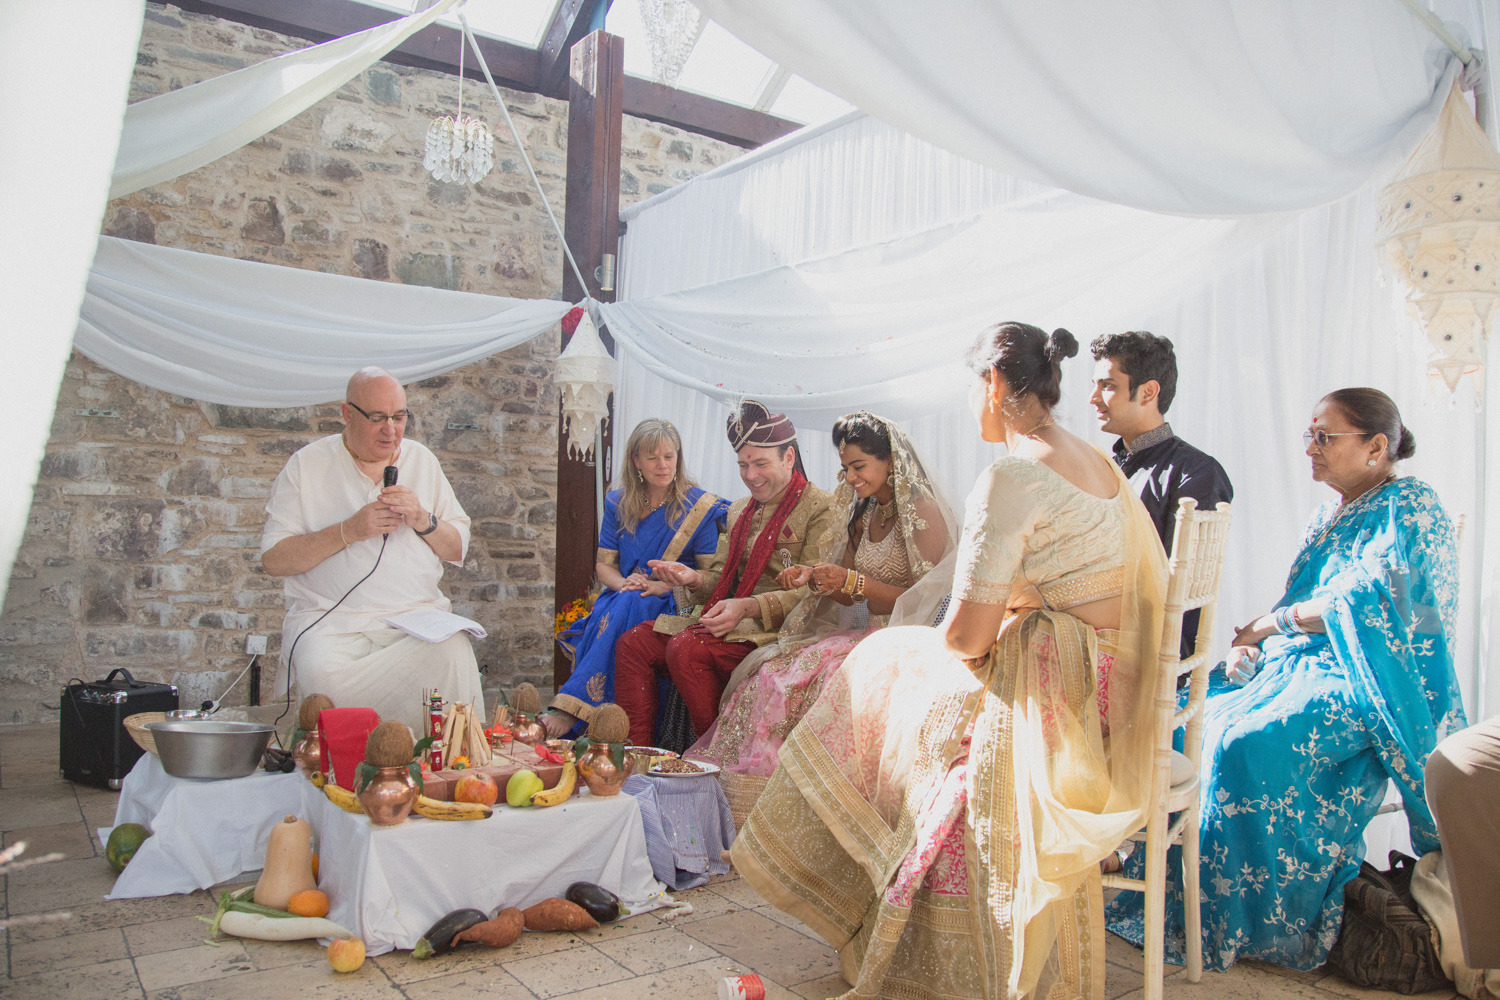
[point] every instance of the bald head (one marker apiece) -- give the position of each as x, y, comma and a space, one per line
366, 376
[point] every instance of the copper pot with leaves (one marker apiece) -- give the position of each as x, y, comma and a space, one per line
527, 702
307, 747
601, 751
389, 779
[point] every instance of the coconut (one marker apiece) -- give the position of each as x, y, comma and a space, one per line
307, 714
526, 700
389, 745
610, 724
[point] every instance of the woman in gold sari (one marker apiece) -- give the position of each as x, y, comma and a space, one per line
941, 813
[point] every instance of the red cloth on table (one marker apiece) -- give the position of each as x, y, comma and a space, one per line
344, 732
698, 664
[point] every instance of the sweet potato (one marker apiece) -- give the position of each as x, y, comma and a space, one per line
558, 915
498, 932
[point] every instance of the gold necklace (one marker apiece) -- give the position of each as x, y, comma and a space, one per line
1344, 508
1045, 423
886, 510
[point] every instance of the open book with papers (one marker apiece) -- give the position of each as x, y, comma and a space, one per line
432, 625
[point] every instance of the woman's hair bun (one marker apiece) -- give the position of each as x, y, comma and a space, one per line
1061, 345
1408, 446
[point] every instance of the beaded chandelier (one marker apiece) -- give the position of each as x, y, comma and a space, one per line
459, 147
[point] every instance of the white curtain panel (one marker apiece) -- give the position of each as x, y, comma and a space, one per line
170, 134
1267, 315
251, 334
64, 97
1223, 108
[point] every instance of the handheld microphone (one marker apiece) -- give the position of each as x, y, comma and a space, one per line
390, 480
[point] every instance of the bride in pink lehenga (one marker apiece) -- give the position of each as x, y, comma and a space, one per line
891, 527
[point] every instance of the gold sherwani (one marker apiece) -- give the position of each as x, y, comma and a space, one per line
800, 539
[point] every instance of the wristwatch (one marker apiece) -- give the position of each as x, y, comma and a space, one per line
431, 525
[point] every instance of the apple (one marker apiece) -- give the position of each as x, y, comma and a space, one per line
346, 954
521, 787
476, 788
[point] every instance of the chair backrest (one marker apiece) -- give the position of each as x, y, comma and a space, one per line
1193, 572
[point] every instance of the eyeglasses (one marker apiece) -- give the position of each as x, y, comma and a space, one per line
1321, 437
399, 417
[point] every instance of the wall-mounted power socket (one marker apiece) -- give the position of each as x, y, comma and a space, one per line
255, 644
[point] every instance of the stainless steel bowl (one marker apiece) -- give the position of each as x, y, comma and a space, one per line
207, 748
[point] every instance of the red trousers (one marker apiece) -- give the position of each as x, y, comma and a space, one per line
698, 664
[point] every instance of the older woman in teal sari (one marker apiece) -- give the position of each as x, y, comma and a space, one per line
657, 513
1346, 683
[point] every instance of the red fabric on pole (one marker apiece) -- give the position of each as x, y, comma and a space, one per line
343, 732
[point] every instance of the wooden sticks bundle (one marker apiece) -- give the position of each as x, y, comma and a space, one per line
463, 736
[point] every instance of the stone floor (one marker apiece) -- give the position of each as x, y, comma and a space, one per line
155, 947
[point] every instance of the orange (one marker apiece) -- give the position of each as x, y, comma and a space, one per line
308, 903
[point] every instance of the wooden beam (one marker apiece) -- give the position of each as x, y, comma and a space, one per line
569, 24
592, 228
716, 119
435, 47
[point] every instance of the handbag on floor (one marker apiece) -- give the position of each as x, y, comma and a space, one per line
1385, 942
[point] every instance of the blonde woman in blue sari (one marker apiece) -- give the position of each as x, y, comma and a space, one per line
1348, 681
656, 513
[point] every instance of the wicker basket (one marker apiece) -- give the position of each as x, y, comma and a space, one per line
136, 726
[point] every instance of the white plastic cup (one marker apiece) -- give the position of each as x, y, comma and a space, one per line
746, 987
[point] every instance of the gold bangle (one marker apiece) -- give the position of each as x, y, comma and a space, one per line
341, 535
851, 578
859, 588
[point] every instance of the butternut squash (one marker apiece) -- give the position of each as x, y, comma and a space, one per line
288, 868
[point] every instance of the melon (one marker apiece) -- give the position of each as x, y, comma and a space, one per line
124, 841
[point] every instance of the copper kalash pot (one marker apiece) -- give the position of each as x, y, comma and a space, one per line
600, 772
308, 753
390, 795
527, 730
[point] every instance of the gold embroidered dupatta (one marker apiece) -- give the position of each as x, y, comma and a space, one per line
1047, 800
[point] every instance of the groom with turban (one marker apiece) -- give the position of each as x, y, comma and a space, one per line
778, 525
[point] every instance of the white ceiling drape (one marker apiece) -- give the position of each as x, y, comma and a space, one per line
1225, 108
60, 116
170, 134
251, 334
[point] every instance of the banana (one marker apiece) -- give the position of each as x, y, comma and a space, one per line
433, 809
559, 792
343, 798
317, 779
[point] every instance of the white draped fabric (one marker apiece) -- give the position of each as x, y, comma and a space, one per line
170, 134
60, 115
251, 334
846, 290
1227, 108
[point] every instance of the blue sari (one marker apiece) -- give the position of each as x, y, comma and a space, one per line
1295, 762
616, 612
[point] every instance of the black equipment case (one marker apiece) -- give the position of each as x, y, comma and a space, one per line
94, 746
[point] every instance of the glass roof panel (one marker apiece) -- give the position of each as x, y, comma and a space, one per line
520, 21
722, 66
624, 19
800, 101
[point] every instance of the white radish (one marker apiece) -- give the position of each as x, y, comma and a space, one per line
263, 928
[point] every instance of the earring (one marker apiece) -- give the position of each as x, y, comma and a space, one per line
1371, 463
641, 479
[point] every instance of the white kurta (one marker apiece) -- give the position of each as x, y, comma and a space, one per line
320, 486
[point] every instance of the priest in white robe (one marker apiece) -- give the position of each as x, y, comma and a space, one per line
353, 552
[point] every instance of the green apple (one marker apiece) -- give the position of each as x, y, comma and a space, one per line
521, 787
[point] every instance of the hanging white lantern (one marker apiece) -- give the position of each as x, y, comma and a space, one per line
1439, 222
585, 377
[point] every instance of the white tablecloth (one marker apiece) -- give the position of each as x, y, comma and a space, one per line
204, 832
389, 884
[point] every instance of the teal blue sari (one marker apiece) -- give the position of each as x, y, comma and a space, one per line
1296, 761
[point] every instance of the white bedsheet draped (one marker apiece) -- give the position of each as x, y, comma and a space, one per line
854, 306
60, 116
250, 334
1226, 108
170, 134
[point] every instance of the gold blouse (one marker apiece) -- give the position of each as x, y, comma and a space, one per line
1025, 526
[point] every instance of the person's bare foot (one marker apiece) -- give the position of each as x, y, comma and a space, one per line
557, 723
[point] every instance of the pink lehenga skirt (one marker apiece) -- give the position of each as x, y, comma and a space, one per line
758, 717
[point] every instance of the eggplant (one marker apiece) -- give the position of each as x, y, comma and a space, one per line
439, 937
602, 904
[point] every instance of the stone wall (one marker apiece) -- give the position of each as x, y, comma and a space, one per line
143, 540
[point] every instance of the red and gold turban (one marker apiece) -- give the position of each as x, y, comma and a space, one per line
752, 424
